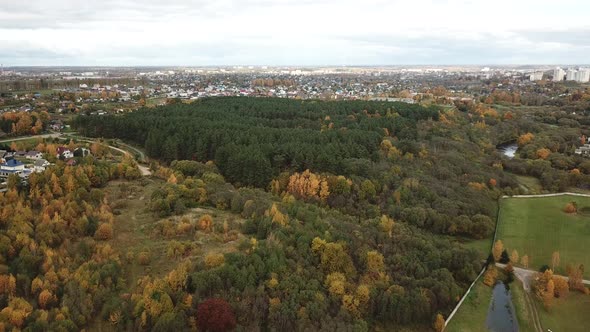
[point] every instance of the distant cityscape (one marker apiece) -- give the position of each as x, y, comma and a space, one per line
101, 90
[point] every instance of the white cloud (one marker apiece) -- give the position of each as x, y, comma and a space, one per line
183, 32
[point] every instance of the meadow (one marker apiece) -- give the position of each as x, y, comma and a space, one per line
538, 227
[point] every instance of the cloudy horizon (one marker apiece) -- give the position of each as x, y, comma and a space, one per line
288, 32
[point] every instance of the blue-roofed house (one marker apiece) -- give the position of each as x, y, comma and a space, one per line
11, 166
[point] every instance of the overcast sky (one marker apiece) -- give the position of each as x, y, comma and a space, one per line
291, 32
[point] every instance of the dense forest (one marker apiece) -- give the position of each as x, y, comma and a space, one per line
252, 140
348, 216
56, 270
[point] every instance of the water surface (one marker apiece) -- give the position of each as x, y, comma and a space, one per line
508, 149
501, 315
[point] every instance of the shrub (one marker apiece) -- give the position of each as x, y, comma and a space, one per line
214, 260
104, 232
143, 258
205, 223
570, 207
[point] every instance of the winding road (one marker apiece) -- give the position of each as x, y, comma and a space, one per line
145, 171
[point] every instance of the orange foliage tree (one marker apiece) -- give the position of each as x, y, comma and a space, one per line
525, 139
571, 207
308, 185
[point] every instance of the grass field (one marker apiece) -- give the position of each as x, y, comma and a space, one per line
43, 92
523, 314
483, 247
22, 142
472, 314
538, 226
531, 184
569, 314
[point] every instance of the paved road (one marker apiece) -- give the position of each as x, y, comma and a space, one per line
51, 135
527, 276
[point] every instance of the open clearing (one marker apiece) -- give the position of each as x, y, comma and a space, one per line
537, 227
137, 230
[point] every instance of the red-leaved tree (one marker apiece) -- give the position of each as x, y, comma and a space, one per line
215, 315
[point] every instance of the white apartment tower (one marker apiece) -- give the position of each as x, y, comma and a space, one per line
536, 76
558, 74
571, 74
583, 75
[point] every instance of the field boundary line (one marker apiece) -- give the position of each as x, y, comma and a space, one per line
498, 209
463, 298
547, 195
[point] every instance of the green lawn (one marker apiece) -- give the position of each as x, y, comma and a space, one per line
532, 184
43, 92
566, 314
472, 314
569, 314
523, 314
483, 247
538, 226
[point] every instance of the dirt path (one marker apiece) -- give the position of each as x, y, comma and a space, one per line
527, 275
532, 308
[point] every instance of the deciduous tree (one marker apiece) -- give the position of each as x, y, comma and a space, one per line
525, 261
215, 315
497, 250
514, 257
439, 323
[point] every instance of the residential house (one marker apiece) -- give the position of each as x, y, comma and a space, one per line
35, 155
57, 125
20, 153
583, 150
40, 165
12, 166
63, 152
82, 152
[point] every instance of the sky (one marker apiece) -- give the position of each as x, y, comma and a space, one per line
290, 32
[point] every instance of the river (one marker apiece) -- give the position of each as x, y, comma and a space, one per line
508, 149
501, 315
